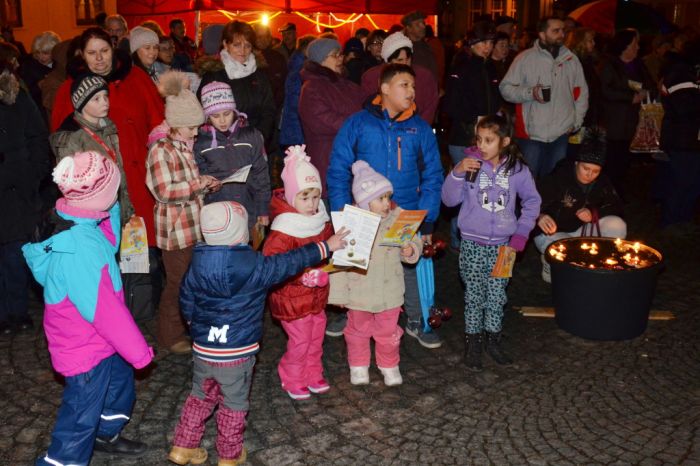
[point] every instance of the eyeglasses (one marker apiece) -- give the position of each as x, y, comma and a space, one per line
377, 42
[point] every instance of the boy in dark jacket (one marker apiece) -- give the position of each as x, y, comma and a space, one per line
223, 298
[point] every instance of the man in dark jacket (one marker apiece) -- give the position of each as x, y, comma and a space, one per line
680, 135
24, 161
577, 195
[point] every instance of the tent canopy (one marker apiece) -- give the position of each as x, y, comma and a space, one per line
172, 7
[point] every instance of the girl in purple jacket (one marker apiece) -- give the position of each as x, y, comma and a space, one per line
487, 220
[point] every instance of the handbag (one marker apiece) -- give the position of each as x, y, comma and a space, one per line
648, 134
592, 228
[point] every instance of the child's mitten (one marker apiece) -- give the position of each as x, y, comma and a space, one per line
314, 278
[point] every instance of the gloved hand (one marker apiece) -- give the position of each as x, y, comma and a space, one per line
314, 278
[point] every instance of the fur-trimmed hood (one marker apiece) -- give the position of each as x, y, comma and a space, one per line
9, 87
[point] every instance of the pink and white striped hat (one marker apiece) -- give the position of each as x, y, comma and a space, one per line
224, 224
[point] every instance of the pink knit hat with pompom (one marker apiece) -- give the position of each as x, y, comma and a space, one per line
298, 173
88, 180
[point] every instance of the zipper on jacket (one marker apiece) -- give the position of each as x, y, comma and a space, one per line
398, 146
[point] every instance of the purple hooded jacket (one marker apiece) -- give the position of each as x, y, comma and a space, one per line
487, 212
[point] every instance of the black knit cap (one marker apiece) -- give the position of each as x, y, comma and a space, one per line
593, 147
83, 88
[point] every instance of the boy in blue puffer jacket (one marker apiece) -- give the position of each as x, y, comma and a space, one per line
222, 297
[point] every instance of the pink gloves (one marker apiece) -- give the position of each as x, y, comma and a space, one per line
314, 278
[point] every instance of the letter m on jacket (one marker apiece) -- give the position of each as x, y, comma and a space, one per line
216, 333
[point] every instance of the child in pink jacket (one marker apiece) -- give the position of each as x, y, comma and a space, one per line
92, 337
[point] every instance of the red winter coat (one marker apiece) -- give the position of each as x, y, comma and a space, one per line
292, 300
135, 107
326, 100
426, 89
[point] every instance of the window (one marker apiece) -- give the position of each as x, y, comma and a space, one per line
11, 13
85, 11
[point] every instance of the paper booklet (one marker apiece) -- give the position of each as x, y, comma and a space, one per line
363, 226
239, 176
133, 250
503, 268
404, 227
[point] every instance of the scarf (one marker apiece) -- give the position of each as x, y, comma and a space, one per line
236, 69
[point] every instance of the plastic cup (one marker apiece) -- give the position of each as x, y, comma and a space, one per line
546, 93
471, 175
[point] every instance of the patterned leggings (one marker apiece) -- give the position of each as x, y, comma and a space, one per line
484, 296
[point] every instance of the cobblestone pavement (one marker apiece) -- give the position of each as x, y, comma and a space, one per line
565, 401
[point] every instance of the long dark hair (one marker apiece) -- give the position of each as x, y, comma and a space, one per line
502, 125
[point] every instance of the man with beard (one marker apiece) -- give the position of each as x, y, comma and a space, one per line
547, 85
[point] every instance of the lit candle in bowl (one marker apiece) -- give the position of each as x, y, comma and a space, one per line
610, 261
585, 246
636, 247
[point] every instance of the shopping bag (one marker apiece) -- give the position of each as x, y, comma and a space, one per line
648, 134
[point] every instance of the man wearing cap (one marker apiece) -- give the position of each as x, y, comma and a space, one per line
289, 40
576, 195
547, 85
397, 48
414, 29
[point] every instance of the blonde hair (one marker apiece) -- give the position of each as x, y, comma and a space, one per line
575, 40
45, 42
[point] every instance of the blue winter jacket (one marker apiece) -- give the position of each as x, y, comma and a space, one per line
291, 132
403, 149
223, 295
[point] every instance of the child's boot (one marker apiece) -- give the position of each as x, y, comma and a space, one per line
392, 376
472, 351
235, 461
494, 349
359, 375
181, 455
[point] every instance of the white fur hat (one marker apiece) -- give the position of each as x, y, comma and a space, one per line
395, 41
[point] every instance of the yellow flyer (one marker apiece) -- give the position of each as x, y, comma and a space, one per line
404, 227
504, 262
133, 250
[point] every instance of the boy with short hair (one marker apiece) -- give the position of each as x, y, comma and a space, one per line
392, 138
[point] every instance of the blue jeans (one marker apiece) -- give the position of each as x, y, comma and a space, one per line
96, 403
542, 157
14, 279
456, 154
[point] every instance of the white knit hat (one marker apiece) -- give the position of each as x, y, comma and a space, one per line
224, 224
395, 41
140, 36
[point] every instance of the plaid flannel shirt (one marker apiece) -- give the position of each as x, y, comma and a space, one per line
173, 179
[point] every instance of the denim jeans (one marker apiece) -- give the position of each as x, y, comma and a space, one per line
456, 154
542, 157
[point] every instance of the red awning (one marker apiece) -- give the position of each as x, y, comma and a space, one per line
170, 7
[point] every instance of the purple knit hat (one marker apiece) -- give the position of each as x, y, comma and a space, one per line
367, 184
217, 97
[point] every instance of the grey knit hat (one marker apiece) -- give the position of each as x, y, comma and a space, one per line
593, 147
319, 49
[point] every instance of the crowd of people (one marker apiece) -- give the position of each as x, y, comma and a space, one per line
139, 128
